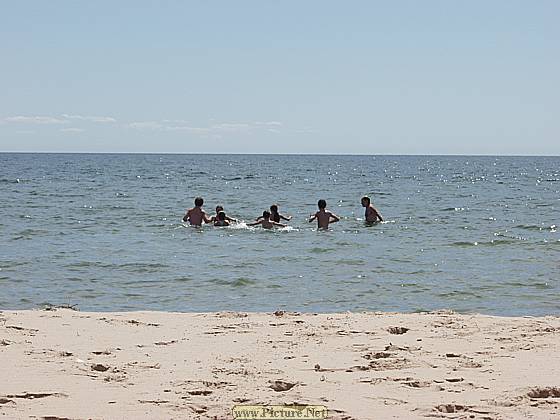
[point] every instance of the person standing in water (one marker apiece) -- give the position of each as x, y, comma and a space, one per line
324, 216
196, 215
371, 215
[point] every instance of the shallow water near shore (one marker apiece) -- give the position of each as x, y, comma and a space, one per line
104, 232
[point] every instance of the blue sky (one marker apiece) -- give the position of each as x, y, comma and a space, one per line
403, 77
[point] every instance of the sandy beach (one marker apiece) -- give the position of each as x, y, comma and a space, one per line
61, 363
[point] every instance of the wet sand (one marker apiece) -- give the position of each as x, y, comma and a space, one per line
67, 364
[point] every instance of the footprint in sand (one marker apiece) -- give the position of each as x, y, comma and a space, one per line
102, 352
280, 386
98, 367
548, 392
198, 408
377, 355
397, 330
417, 384
203, 392
451, 408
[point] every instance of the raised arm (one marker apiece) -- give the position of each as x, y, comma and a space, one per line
378, 214
312, 218
334, 218
287, 218
206, 218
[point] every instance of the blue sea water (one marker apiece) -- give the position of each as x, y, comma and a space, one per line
104, 232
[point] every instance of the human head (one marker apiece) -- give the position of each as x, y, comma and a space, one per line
219, 208
274, 208
365, 201
198, 202
222, 215
266, 214
322, 204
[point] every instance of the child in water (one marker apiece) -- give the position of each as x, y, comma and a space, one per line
221, 219
219, 209
372, 215
197, 215
323, 216
265, 221
275, 216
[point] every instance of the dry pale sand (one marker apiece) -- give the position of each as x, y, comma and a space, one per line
68, 364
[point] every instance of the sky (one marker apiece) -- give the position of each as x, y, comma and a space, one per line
352, 77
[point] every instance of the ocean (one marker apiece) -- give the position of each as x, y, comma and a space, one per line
104, 232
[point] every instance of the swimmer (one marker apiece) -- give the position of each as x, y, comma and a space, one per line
197, 215
221, 219
220, 208
323, 216
265, 221
371, 215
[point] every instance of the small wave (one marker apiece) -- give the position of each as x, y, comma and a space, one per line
289, 229
493, 242
29, 234
529, 227
239, 282
318, 250
11, 181
464, 244
536, 227
239, 226
459, 294
350, 262
132, 267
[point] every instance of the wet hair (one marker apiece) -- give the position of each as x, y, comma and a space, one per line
266, 214
366, 199
322, 204
274, 208
222, 215
198, 201
219, 208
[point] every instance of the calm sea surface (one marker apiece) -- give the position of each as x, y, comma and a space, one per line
473, 234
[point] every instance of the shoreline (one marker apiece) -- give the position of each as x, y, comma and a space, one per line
366, 365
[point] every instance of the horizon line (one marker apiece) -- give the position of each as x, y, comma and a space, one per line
271, 154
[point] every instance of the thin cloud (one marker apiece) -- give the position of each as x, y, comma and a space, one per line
232, 127
72, 130
214, 129
37, 119
90, 118
145, 125
269, 123
202, 130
